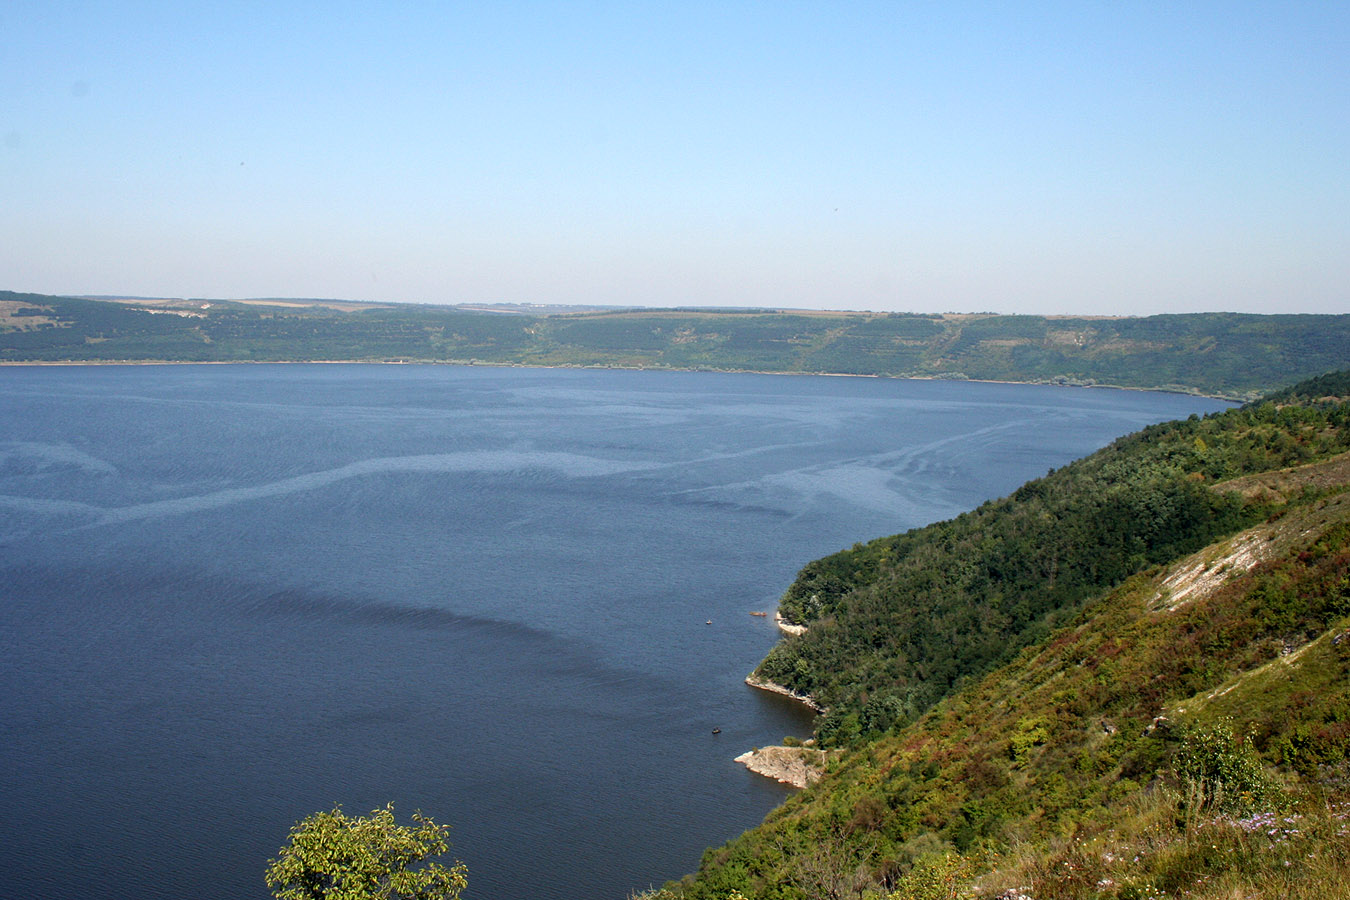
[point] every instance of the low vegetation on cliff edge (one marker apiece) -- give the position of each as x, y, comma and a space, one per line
1180, 728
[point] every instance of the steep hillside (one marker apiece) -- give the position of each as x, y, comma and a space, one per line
1185, 732
897, 623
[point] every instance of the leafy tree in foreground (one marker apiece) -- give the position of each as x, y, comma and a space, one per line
333, 857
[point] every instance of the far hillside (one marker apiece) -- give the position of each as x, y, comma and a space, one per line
1220, 354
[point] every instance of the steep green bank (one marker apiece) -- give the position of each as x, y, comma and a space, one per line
1222, 354
895, 624
1184, 730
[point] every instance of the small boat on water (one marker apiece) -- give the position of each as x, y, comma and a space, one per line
759, 614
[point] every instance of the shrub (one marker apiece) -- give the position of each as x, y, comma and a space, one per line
1223, 772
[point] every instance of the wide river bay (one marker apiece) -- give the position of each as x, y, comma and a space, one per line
516, 599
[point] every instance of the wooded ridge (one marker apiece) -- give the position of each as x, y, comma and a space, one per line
1231, 355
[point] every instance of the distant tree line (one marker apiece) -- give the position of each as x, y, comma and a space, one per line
1223, 354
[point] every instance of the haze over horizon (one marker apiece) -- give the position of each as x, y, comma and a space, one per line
1049, 158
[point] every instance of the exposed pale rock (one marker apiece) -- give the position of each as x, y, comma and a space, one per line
797, 766
1200, 574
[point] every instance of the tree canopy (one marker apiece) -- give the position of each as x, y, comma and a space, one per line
331, 856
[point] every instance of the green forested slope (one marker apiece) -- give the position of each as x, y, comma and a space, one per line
41, 328
1224, 354
1185, 732
897, 623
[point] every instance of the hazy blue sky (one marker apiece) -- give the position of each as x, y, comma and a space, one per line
1089, 157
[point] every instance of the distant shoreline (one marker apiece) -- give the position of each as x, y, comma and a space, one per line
496, 365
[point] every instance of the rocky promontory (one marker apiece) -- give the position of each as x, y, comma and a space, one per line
797, 766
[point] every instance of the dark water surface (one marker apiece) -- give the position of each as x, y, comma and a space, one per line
231, 596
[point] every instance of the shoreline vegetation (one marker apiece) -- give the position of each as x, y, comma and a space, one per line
1229, 356
1129, 679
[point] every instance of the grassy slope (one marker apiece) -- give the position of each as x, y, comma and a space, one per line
1215, 353
1055, 772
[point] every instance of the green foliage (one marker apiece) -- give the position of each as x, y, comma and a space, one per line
1031, 732
331, 856
1224, 773
935, 877
1333, 386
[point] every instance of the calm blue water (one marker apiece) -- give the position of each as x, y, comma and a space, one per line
233, 596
